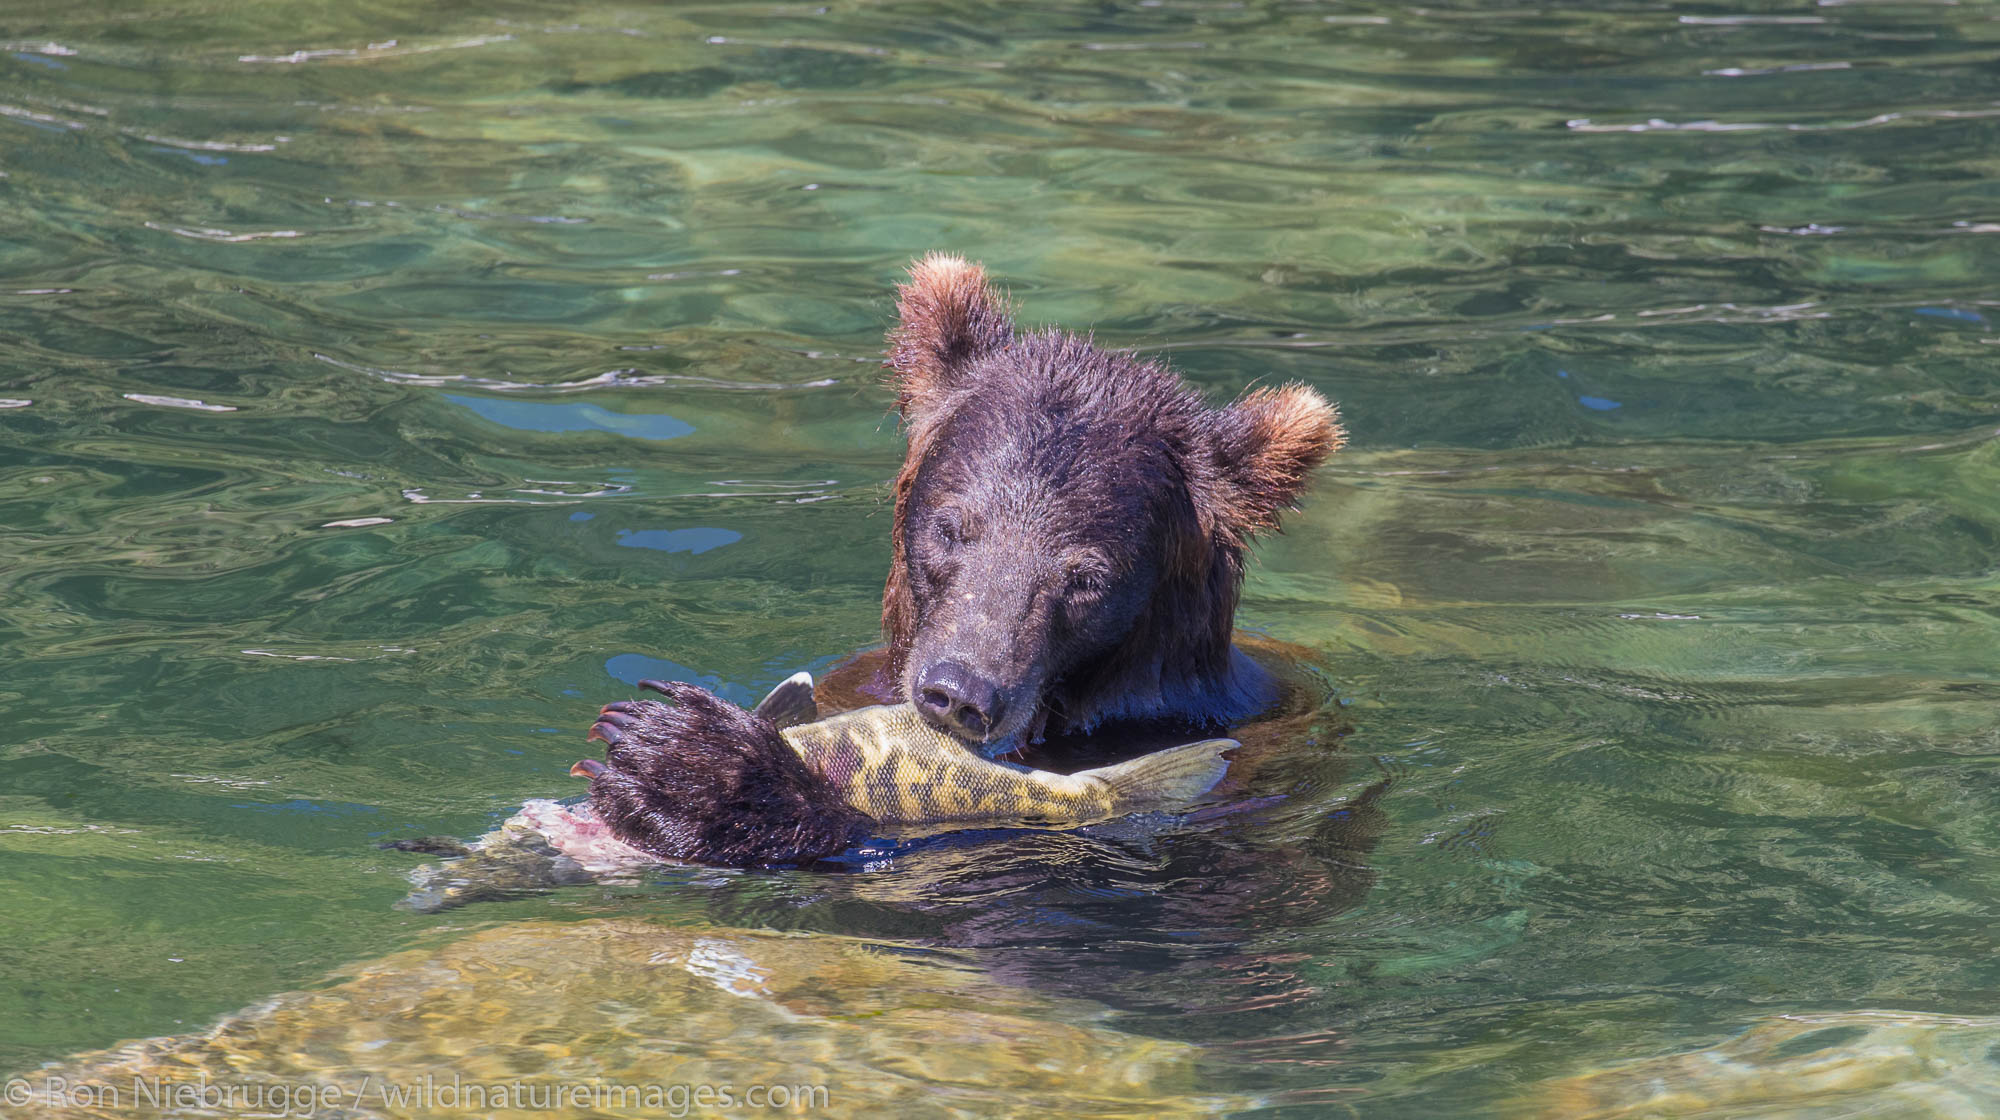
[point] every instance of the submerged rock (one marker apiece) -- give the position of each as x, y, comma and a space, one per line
1801, 1067
625, 1018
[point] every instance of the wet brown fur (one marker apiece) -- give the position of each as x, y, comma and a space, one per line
1123, 458
704, 781
1212, 479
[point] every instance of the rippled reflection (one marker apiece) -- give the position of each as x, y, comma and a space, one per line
382, 387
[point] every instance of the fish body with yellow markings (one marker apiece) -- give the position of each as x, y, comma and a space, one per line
891, 764
704, 781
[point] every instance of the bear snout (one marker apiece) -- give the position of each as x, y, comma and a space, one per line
959, 700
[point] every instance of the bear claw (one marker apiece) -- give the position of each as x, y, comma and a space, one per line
702, 780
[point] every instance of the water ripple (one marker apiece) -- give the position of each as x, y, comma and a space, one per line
1658, 584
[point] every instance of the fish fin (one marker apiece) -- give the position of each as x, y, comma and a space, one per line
1165, 779
789, 704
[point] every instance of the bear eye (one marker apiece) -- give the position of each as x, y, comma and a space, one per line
949, 529
1085, 579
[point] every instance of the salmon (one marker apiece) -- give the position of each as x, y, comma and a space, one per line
889, 763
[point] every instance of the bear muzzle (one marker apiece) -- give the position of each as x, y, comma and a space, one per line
956, 699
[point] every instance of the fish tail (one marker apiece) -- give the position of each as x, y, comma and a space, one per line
791, 703
1165, 779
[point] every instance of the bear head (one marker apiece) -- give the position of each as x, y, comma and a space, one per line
1070, 522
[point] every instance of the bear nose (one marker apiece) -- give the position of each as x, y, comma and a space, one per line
957, 699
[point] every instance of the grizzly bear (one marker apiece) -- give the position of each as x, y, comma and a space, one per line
1070, 523
1067, 551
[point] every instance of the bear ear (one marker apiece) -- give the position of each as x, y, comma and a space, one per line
1266, 446
947, 318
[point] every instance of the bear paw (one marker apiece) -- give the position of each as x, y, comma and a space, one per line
703, 781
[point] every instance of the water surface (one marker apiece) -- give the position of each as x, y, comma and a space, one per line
389, 385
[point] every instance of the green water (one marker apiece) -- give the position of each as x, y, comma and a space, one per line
391, 385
